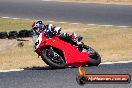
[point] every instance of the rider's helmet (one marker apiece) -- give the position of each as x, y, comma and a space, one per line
38, 26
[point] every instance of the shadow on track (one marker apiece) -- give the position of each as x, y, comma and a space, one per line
50, 68
45, 68
38, 68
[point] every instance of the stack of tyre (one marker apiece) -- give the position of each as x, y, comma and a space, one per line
3, 35
25, 33
14, 34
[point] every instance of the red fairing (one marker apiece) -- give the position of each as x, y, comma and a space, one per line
73, 56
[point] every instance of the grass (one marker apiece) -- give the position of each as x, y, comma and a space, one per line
113, 43
16, 24
99, 1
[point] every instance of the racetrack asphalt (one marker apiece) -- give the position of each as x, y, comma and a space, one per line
61, 78
103, 14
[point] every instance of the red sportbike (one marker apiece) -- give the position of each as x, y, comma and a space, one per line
58, 53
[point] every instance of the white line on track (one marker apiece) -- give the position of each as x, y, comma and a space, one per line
47, 0
5, 17
62, 22
107, 3
107, 25
75, 23
122, 26
11, 70
15, 18
91, 24
119, 62
123, 62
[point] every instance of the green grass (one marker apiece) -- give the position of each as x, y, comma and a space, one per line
113, 43
18, 24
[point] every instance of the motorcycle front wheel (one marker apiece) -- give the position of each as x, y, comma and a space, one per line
53, 58
94, 57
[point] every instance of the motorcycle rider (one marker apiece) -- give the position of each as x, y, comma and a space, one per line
51, 30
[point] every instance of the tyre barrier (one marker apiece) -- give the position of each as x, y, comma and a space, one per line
3, 35
22, 33
25, 33
12, 35
29, 33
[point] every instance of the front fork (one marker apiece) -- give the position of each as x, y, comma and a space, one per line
54, 53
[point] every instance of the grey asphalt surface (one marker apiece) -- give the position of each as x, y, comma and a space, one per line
70, 12
61, 78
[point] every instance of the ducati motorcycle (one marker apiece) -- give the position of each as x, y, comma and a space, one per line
58, 53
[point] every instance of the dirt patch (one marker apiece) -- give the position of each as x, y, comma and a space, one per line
12, 56
7, 44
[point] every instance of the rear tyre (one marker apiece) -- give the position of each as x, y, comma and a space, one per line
94, 57
52, 60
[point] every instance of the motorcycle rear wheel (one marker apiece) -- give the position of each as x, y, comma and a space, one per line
49, 60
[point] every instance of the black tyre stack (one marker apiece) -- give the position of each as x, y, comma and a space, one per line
14, 34
29, 33
22, 33
25, 33
3, 35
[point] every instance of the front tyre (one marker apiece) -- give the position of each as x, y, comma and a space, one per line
94, 57
52, 58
